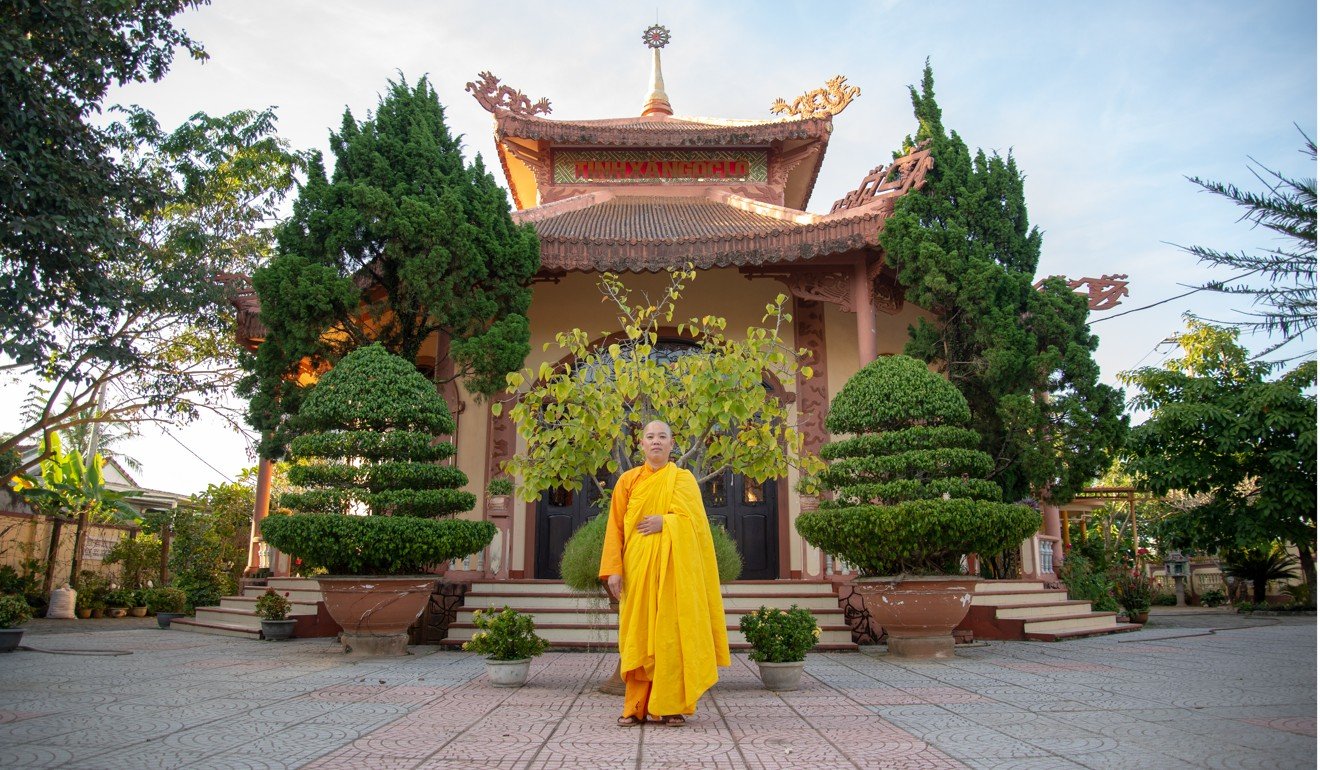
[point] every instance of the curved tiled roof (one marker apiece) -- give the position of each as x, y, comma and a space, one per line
632, 233
660, 130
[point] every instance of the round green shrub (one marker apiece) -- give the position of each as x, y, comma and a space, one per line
14, 611
909, 489
374, 545
166, 600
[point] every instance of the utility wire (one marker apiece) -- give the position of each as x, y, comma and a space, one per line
1170, 299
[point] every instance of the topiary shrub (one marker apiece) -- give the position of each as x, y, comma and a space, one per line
366, 444
909, 492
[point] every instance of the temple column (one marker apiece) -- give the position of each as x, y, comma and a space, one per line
813, 403
500, 439
264, 472
861, 302
1050, 531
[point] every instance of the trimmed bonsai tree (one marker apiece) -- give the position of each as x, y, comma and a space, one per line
910, 495
367, 445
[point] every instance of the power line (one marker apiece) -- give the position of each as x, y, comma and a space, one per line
1170, 299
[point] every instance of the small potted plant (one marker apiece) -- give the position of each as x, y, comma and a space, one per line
138, 603
498, 492
273, 607
166, 604
1134, 593
14, 612
118, 601
780, 640
509, 641
82, 605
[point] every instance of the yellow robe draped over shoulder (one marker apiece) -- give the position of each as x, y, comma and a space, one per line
671, 617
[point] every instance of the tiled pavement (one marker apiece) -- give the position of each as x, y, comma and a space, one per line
1171, 696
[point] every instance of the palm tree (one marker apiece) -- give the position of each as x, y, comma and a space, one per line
1260, 565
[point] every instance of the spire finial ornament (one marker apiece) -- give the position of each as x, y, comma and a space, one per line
657, 102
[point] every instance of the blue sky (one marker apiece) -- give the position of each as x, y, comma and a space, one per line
1106, 106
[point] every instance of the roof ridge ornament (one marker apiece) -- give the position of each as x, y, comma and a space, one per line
656, 37
830, 100
494, 97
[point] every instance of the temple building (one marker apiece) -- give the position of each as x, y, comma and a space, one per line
639, 195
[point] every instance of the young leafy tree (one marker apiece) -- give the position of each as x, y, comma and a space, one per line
965, 251
66, 197
402, 242
583, 416
169, 350
1219, 428
1281, 279
366, 443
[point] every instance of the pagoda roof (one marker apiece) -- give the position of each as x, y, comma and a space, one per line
661, 130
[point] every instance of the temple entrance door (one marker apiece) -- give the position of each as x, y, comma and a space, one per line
558, 515
749, 511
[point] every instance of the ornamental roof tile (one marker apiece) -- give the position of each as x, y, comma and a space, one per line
661, 130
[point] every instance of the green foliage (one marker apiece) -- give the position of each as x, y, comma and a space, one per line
1021, 355
499, 486
505, 635
210, 540
138, 556
1288, 294
579, 565
402, 242
1218, 429
273, 606
583, 416
374, 545
25, 581
1213, 598
1170, 600
902, 503
780, 636
120, 597
165, 600
1085, 581
14, 611
1260, 565
1133, 591
64, 186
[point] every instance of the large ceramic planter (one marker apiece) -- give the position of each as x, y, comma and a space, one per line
9, 638
277, 630
375, 612
781, 676
163, 618
918, 613
138, 612
508, 673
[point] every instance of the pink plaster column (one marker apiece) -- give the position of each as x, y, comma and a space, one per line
264, 472
861, 301
1050, 528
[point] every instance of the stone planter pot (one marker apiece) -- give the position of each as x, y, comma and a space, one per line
84, 613
9, 639
375, 612
277, 630
781, 676
1139, 617
138, 612
508, 673
163, 618
918, 613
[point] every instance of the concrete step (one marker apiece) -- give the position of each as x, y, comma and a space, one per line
736, 588
1097, 621
571, 635
227, 616
1011, 598
217, 629
1059, 636
590, 602
1008, 586
1043, 611
249, 604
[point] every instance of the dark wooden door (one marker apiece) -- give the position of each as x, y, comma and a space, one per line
558, 516
749, 511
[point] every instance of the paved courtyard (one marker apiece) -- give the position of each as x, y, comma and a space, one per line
1192, 690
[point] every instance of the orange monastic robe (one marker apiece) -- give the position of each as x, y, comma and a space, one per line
671, 617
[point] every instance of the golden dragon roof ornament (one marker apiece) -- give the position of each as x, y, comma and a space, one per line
493, 96
830, 100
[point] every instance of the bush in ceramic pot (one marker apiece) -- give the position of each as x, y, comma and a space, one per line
780, 640
509, 641
910, 493
166, 604
14, 612
366, 444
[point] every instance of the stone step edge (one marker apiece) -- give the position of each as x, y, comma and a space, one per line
1056, 636
1051, 591
246, 613
1066, 603
244, 630
614, 646
612, 626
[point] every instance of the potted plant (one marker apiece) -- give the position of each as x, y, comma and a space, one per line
274, 611
366, 441
780, 640
166, 604
910, 500
117, 602
14, 612
498, 492
82, 605
138, 603
1134, 593
509, 641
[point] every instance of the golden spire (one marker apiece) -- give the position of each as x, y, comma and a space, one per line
657, 102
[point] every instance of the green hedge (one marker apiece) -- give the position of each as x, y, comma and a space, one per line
374, 545
372, 446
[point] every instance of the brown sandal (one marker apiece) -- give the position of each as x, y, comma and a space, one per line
630, 721
673, 720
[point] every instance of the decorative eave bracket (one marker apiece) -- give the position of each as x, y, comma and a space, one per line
495, 98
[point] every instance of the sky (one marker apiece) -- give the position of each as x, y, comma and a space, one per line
1107, 107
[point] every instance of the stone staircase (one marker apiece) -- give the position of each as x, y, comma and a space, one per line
237, 615
575, 621
1025, 609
